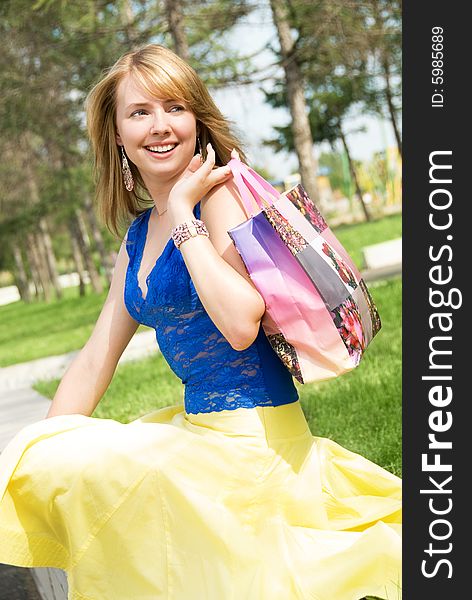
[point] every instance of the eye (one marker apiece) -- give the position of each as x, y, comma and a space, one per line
177, 108
138, 112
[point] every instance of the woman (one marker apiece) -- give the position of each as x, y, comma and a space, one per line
228, 495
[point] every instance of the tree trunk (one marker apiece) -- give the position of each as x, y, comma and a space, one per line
353, 173
49, 256
84, 245
302, 138
40, 276
43, 267
20, 274
105, 257
391, 108
175, 19
35, 249
33, 270
77, 257
384, 53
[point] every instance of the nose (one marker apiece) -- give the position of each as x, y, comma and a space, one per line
160, 124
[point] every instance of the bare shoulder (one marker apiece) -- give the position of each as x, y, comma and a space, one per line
221, 210
223, 202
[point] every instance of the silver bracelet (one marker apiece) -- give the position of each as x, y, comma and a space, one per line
188, 229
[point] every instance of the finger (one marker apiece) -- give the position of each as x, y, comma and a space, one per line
235, 154
219, 175
193, 165
210, 160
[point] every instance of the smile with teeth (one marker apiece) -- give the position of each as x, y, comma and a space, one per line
161, 149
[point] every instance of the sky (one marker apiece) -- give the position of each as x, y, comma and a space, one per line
255, 119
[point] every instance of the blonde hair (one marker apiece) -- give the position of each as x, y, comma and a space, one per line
161, 74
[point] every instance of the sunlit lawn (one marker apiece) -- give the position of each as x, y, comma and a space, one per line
355, 237
30, 331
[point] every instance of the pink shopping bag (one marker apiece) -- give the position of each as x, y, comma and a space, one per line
319, 314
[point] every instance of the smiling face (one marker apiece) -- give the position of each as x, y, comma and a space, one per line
158, 135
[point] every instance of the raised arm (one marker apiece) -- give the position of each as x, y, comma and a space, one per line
91, 372
217, 271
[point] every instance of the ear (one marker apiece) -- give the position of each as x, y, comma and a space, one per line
118, 139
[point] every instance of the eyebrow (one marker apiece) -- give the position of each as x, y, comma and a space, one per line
136, 104
133, 104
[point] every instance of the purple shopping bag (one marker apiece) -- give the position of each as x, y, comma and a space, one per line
319, 314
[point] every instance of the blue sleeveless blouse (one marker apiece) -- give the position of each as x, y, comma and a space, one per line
216, 377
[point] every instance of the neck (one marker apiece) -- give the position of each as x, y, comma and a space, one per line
159, 190
160, 195
160, 212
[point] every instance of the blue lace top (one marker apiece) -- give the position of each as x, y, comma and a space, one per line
216, 377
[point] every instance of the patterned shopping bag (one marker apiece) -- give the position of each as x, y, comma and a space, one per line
319, 315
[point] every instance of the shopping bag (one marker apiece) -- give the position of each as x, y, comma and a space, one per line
320, 316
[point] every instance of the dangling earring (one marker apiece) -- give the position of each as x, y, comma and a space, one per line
127, 175
200, 149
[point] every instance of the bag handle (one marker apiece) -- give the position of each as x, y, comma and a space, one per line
246, 197
246, 179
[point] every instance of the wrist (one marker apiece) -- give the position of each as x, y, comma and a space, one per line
187, 230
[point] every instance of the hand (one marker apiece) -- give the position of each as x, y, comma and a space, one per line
197, 180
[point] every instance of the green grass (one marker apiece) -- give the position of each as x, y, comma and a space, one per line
36, 330
355, 237
137, 388
40, 329
361, 410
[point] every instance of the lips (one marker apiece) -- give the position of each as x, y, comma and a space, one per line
160, 150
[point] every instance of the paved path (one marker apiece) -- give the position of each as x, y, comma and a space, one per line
17, 584
20, 405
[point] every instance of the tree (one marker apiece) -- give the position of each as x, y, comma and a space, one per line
175, 19
300, 127
53, 52
335, 47
385, 43
326, 121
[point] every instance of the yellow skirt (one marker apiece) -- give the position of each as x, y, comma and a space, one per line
232, 505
